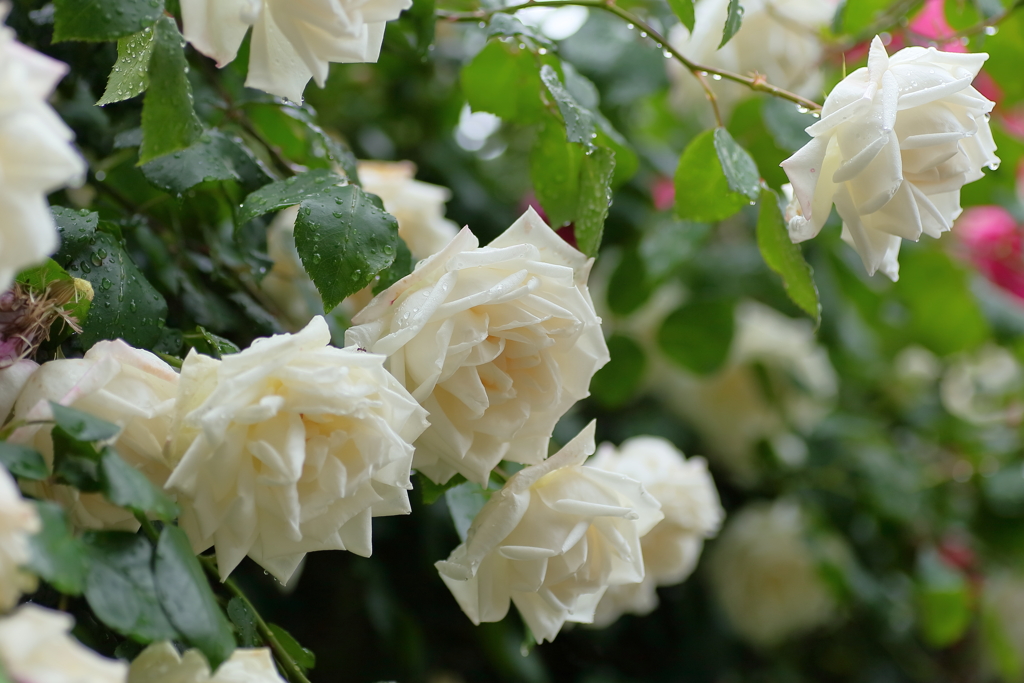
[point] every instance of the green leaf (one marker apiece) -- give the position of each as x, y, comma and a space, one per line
124, 485
616, 383
506, 25
786, 124
464, 503
125, 305
187, 600
579, 122
344, 238
703, 193
244, 620
669, 243
169, 122
430, 492
786, 258
75, 462
302, 656
857, 15
56, 555
697, 336
503, 80
629, 287
401, 267
285, 193
75, 228
944, 601
22, 461
737, 164
733, 19
97, 20
683, 9
120, 586
82, 426
39, 278
209, 344
595, 197
555, 173
215, 156
130, 75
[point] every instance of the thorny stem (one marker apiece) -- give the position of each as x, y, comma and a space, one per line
756, 82
291, 669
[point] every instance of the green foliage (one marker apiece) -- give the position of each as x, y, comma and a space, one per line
786, 258
944, 599
245, 622
704, 191
302, 656
130, 75
733, 19
81, 426
214, 156
579, 123
430, 492
464, 502
555, 171
504, 80
1006, 52
621, 377
683, 9
126, 486
698, 335
169, 122
596, 175
284, 193
56, 555
103, 19
858, 15
22, 461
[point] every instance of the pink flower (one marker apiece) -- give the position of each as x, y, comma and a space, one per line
663, 193
993, 243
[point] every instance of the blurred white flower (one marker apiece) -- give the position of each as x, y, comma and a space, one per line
552, 540
496, 342
555, 23
779, 39
292, 40
765, 576
778, 383
986, 387
288, 447
129, 387
161, 663
896, 142
287, 284
18, 521
35, 647
36, 154
692, 512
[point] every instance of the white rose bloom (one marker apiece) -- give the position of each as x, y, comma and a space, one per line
292, 40
552, 540
692, 512
13, 379
129, 387
496, 342
779, 39
765, 577
731, 410
418, 207
18, 521
36, 647
36, 154
986, 387
896, 142
288, 447
161, 663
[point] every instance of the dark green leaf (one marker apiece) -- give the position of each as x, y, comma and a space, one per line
733, 19
81, 425
130, 75
37, 279
401, 267
169, 122
555, 172
187, 600
285, 193
703, 193
619, 380
22, 461
683, 9
464, 503
75, 462
120, 587
207, 343
302, 656
595, 197
786, 258
579, 122
56, 556
629, 287
430, 492
215, 156
244, 620
737, 164
103, 19
786, 124
124, 485
344, 238
75, 228
503, 79
698, 335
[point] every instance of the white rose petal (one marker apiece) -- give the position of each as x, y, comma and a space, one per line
896, 141
161, 663
495, 342
130, 387
765, 576
35, 647
292, 40
288, 447
12, 380
692, 512
552, 540
18, 521
36, 154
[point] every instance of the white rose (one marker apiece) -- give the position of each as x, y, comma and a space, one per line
896, 142
291, 42
777, 38
765, 577
161, 663
35, 647
36, 154
731, 410
18, 521
985, 387
552, 540
495, 342
129, 387
692, 512
13, 379
288, 447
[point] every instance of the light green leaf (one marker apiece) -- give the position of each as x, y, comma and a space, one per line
503, 80
703, 193
579, 122
304, 657
683, 9
430, 492
733, 19
169, 122
737, 164
698, 335
555, 172
97, 20
56, 556
786, 258
285, 193
944, 601
130, 75
595, 197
